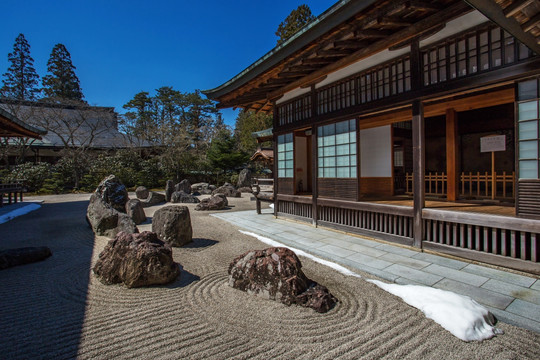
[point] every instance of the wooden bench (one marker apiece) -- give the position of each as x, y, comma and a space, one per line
11, 191
263, 190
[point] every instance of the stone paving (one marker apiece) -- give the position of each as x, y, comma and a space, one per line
513, 298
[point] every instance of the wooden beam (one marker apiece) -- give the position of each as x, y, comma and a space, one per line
423, 5
335, 52
350, 44
312, 61
452, 155
516, 7
393, 21
292, 74
531, 23
427, 23
372, 33
494, 12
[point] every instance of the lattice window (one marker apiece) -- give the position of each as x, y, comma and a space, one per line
528, 108
285, 152
390, 79
295, 110
336, 145
479, 50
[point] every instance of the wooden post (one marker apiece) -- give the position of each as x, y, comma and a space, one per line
275, 146
314, 176
493, 176
452, 155
419, 158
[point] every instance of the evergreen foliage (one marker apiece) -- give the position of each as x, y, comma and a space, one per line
62, 83
222, 154
295, 21
21, 80
247, 123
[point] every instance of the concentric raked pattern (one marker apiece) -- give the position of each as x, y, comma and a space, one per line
57, 309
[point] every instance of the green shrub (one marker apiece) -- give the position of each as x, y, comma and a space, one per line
33, 175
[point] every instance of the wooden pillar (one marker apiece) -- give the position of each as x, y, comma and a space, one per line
275, 146
315, 157
452, 155
314, 176
419, 168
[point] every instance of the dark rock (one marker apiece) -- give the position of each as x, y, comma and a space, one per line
106, 220
169, 189
215, 202
244, 179
228, 190
136, 260
245, 190
172, 224
275, 273
202, 188
182, 197
141, 192
113, 192
22, 256
135, 210
153, 198
184, 186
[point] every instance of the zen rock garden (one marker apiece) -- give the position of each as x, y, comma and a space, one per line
144, 259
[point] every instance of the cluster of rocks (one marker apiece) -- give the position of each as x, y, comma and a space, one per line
275, 273
180, 193
107, 211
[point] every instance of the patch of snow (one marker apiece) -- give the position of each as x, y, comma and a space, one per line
460, 315
298, 252
18, 212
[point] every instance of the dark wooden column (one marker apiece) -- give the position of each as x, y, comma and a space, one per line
452, 155
275, 146
314, 175
315, 157
419, 168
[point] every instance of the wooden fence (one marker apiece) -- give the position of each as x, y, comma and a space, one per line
472, 185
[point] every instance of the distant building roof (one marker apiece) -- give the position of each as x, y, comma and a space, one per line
263, 135
263, 155
10, 126
72, 125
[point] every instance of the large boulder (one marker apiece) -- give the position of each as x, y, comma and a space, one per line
245, 190
215, 202
228, 190
22, 256
135, 211
203, 188
141, 192
244, 179
136, 260
104, 218
172, 224
182, 197
169, 189
153, 198
275, 273
113, 192
184, 186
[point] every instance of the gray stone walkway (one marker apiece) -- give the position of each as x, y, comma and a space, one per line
513, 298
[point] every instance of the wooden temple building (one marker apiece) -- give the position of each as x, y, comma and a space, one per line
414, 122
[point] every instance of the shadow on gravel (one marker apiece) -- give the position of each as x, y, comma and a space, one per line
43, 304
184, 279
199, 243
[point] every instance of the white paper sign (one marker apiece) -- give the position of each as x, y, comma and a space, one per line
493, 143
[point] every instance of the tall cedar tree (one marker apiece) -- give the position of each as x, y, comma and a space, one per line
62, 82
296, 20
247, 123
21, 80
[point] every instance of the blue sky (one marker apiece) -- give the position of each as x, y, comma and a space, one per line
122, 47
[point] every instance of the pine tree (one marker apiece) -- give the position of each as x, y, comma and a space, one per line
21, 80
61, 83
296, 20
